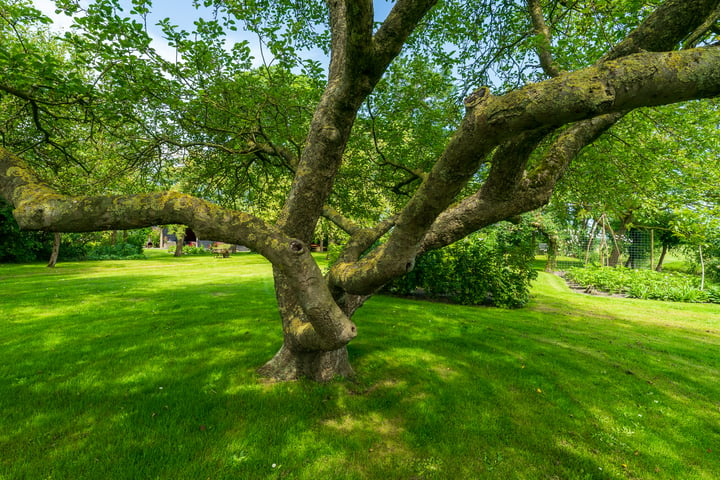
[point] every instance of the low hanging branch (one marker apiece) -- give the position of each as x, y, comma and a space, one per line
38, 207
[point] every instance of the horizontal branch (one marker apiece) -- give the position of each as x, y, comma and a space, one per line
39, 207
640, 80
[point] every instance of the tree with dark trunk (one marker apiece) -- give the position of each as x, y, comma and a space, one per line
57, 237
504, 158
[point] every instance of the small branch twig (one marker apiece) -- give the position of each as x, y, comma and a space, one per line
543, 48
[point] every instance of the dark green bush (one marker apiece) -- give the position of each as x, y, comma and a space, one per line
493, 268
74, 246
21, 246
713, 294
120, 251
712, 269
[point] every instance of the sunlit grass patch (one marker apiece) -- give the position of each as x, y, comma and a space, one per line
145, 369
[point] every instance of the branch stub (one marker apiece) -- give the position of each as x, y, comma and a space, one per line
476, 97
296, 246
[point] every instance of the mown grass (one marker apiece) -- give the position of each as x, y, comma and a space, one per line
145, 369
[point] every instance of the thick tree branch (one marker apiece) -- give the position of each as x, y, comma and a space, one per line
348, 85
351, 23
38, 207
660, 31
643, 79
357, 63
708, 25
397, 27
665, 27
360, 238
508, 165
363, 239
492, 204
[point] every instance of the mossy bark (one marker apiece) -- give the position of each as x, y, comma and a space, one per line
300, 355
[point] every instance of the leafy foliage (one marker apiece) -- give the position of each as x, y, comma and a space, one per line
192, 250
121, 251
644, 284
491, 268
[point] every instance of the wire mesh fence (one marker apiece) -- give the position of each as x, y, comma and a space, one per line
598, 244
602, 247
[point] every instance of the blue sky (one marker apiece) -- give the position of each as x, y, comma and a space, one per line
183, 14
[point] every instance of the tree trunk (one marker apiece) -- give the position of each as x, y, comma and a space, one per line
702, 268
55, 250
289, 364
659, 266
296, 360
552, 254
553, 242
179, 245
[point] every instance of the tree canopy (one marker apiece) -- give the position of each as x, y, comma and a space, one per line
428, 124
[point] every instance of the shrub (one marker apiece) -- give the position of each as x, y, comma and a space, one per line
713, 294
120, 251
74, 246
712, 270
192, 250
21, 246
493, 267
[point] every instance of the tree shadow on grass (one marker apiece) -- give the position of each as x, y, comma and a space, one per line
632, 398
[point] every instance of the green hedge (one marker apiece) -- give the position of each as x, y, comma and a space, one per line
21, 246
191, 250
493, 267
120, 251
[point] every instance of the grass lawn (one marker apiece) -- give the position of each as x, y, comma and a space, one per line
145, 370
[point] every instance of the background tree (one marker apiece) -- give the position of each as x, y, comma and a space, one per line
700, 228
495, 156
179, 232
645, 167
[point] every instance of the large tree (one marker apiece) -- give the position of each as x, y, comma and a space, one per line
565, 72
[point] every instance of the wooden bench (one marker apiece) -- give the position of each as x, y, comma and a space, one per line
221, 252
